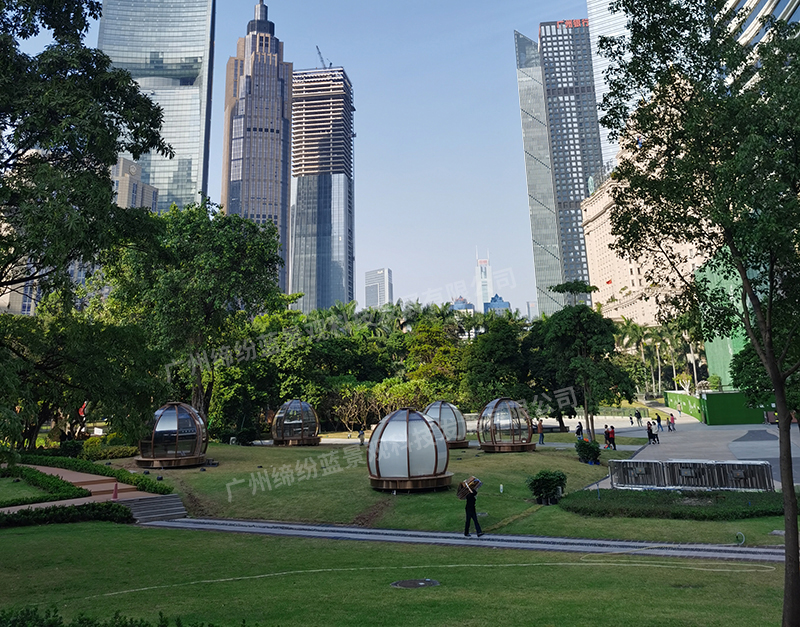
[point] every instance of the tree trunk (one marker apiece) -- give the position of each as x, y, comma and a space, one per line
198, 396
694, 362
791, 579
658, 359
589, 423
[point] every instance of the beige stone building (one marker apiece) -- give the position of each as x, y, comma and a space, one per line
624, 289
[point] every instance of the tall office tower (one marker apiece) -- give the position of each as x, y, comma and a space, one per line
128, 186
604, 23
258, 130
566, 62
378, 287
539, 174
168, 47
483, 282
322, 225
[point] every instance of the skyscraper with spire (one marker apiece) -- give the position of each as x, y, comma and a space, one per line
168, 47
257, 142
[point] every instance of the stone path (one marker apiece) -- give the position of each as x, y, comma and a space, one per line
494, 541
102, 489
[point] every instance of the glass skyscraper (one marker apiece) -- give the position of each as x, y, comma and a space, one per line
565, 61
539, 173
257, 140
603, 23
322, 223
167, 46
378, 288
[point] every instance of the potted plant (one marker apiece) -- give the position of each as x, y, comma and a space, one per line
547, 486
588, 452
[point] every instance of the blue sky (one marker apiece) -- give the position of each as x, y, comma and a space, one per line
439, 167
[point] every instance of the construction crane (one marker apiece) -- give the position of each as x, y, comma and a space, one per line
322, 59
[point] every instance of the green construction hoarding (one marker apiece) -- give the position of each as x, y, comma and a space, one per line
716, 408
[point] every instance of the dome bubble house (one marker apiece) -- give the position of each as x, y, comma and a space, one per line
178, 438
408, 451
295, 424
505, 427
452, 422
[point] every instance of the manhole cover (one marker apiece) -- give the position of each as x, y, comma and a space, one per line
415, 583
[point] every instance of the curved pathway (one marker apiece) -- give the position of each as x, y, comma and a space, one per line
495, 541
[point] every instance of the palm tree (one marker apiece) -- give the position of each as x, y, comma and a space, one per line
654, 335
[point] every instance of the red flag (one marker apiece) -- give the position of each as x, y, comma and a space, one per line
608, 282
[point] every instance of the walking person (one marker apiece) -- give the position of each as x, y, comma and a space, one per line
471, 514
630, 416
605, 436
579, 430
658, 421
612, 437
638, 415
672, 421
650, 433
540, 430
669, 424
361, 436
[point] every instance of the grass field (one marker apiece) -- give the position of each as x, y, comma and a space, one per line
99, 568
345, 497
342, 494
19, 490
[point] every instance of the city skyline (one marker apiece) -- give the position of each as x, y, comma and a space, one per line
432, 175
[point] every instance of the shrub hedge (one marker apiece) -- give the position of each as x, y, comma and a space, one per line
143, 483
30, 617
683, 504
108, 512
56, 488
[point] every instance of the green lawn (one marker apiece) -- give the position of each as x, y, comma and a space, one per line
342, 494
345, 497
19, 490
100, 568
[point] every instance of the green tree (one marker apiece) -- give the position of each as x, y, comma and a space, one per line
188, 291
581, 342
61, 359
710, 160
65, 114
494, 365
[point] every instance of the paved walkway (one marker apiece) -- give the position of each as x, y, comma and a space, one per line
101, 487
494, 541
697, 441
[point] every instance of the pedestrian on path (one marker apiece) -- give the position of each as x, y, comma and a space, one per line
612, 437
658, 421
638, 415
361, 436
579, 430
680, 413
631, 418
672, 421
669, 423
650, 433
605, 436
540, 430
471, 514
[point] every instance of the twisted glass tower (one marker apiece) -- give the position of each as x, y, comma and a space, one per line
539, 173
168, 47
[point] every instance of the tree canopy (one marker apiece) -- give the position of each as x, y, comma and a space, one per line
710, 136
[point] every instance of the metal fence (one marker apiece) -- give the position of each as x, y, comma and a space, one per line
691, 474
